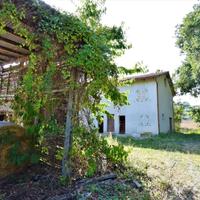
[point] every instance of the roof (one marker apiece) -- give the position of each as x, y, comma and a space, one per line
150, 76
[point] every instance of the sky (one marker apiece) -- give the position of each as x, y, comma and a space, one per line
150, 27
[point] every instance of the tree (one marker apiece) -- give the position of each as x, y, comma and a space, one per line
95, 59
76, 50
188, 40
195, 113
178, 114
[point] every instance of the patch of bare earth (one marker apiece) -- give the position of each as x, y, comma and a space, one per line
41, 182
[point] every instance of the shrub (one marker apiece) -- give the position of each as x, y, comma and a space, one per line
92, 154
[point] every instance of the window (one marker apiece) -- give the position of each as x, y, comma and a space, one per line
110, 123
122, 124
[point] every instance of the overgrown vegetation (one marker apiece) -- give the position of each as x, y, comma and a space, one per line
195, 113
78, 51
167, 167
184, 111
96, 154
178, 115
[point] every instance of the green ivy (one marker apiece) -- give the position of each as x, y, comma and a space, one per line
79, 43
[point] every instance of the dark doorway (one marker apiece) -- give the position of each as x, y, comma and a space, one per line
100, 127
2, 117
122, 124
110, 123
170, 125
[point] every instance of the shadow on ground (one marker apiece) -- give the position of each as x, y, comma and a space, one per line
182, 142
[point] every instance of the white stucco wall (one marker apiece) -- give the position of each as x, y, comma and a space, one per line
141, 114
165, 104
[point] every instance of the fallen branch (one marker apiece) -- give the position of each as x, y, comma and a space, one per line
97, 179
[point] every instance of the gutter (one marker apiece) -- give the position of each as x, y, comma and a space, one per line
158, 110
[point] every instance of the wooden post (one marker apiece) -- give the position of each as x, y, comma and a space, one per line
66, 162
1, 77
8, 84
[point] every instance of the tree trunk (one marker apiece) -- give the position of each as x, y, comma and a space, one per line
66, 162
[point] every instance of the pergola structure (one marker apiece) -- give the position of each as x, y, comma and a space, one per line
11, 47
14, 54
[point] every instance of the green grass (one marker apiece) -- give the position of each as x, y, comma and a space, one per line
168, 165
182, 142
112, 191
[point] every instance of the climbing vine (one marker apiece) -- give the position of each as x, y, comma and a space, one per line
80, 50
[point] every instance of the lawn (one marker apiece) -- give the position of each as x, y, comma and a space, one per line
168, 165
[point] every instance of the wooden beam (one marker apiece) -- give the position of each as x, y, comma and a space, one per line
16, 60
1, 61
12, 37
4, 58
11, 50
8, 56
13, 42
13, 47
9, 27
9, 53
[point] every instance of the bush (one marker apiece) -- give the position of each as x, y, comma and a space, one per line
92, 154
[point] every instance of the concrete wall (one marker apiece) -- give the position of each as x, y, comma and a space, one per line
165, 98
141, 114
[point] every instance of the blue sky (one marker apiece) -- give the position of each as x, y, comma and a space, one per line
150, 27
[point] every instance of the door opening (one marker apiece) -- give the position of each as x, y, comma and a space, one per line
170, 124
100, 124
122, 124
110, 123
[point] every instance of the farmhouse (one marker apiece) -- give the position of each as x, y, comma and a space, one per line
150, 108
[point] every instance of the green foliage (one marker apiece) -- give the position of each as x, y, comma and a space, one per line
195, 113
188, 40
61, 41
88, 46
95, 151
178, 115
